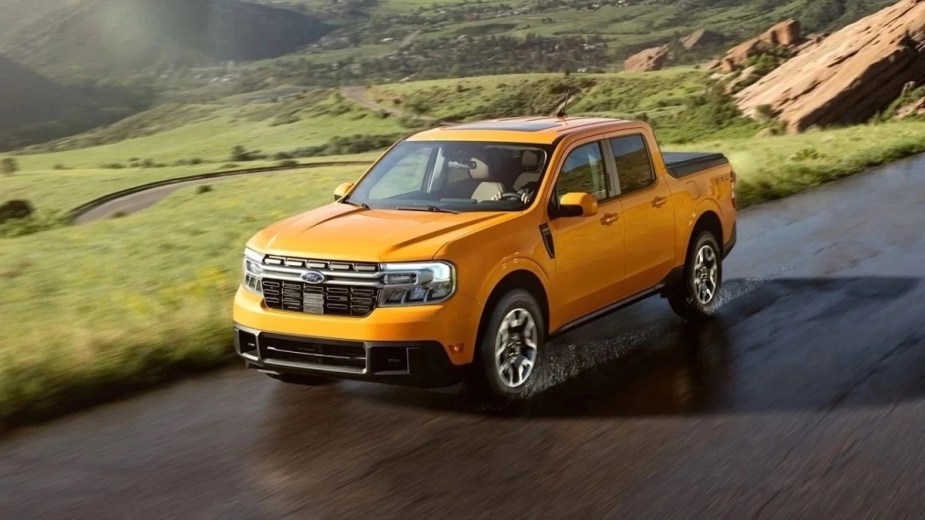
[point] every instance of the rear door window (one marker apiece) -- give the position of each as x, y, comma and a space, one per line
634, 166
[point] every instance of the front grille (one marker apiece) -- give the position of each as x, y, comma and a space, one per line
339, 300
279, 348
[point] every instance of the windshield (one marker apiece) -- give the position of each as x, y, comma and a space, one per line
454, 176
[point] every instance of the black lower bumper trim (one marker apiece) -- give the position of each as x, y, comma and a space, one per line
408, 363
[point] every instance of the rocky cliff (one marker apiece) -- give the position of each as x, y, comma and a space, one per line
850, 75
650, 59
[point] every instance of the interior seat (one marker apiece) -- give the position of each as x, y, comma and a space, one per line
486, 189
530, 163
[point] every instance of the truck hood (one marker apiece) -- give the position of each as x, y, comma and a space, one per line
344, 232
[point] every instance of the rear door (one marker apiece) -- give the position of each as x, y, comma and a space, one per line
589, 250
647, 213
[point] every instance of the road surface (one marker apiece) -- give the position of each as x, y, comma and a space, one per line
135, 202
360, 96
805, 398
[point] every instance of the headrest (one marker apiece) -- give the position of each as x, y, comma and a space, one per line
530, 160
480, 171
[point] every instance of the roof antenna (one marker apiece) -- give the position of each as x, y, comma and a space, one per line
568, 97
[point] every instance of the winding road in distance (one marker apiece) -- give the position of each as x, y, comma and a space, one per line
804, 398
143, 197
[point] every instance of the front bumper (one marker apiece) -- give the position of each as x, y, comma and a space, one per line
409, 363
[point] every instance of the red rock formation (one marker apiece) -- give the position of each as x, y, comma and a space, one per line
650, 59
849, 76
916, 108
784, 34
700, 38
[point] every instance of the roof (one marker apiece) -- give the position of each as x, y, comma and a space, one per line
533, 130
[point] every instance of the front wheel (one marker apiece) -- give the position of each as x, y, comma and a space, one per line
510, 349
697, 296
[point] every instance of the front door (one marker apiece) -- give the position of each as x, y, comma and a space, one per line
648, 215
589, 250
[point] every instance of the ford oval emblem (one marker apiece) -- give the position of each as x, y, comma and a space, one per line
313, 277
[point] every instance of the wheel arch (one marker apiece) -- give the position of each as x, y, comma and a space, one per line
707, 221
516, 279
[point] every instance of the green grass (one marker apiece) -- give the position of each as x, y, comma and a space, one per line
211, 137
463, 98
135, 299
54, 192
775, 167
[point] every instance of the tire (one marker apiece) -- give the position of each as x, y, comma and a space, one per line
695, 299
301, 379
509, 373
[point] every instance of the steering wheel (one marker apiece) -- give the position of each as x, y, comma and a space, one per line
510, 196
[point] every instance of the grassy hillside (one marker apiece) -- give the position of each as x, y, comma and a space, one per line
207, 133
35, 109
388, 40
111, 36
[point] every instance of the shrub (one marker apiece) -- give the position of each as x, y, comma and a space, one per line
9, 166
15, 209
764, 112
804, 154
205, 188
113, 166
241, 154
288, 163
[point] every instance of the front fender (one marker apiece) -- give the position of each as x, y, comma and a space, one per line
508, 266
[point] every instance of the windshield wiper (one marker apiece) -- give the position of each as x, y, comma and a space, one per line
428, 207
357, 204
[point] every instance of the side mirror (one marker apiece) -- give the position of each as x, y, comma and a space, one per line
577, 205
342, 190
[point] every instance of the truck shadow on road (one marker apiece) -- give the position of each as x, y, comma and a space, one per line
780, 344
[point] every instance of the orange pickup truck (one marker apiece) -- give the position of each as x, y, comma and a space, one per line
465, 248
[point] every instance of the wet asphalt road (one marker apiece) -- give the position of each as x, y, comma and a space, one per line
805, 398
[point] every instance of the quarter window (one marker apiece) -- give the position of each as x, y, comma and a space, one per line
634, 168
583, 172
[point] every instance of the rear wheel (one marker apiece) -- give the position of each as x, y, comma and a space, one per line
510, 349
697, 296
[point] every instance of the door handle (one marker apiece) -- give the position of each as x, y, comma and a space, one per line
609, 218
658, 202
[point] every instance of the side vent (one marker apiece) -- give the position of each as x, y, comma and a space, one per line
547, 240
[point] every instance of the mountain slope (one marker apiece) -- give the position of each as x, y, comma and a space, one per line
35, 109
26, 96
96, 36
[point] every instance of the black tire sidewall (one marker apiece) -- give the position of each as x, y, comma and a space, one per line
488, 373
692, 306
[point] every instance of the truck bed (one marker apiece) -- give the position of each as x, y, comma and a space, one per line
682, 164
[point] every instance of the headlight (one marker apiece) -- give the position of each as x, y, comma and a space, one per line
253, 262
417, 283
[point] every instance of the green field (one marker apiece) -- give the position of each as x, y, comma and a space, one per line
57, 192
594, 93
774, 167
218, 128
126, 301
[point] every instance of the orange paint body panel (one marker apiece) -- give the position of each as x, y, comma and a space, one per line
583, 264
